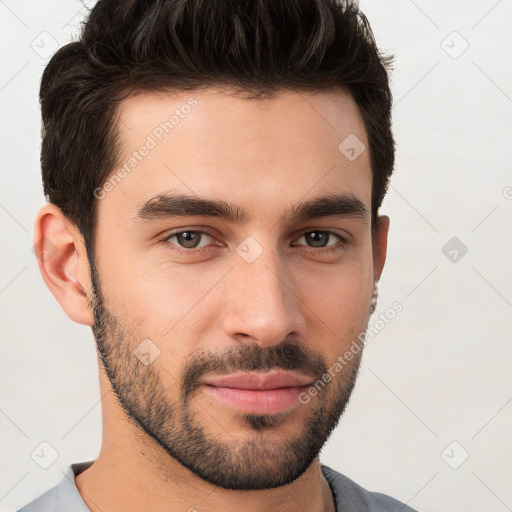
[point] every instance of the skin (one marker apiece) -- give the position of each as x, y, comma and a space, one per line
212, 311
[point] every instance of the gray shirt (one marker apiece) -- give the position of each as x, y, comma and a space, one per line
349, 496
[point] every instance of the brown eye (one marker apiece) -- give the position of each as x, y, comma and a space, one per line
188, 239
320, 239
317, 238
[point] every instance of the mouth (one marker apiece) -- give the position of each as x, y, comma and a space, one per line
258, 393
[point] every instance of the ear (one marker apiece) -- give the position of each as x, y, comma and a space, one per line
380, 245
60, 252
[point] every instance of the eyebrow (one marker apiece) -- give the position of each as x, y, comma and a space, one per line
168, 205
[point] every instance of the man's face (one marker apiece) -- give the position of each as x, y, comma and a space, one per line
261, 293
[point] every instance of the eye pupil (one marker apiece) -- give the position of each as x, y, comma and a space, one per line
317, 236
188, 239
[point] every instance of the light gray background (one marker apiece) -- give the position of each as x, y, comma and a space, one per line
438, 373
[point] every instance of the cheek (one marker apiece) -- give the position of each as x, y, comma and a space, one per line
336, 307
170, 306
339, 294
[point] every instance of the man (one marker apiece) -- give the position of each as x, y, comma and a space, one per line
214, 172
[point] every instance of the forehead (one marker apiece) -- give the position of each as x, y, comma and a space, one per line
212, 144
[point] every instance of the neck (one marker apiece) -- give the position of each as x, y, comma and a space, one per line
123, 485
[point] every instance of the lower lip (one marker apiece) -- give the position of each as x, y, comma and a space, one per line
268, 401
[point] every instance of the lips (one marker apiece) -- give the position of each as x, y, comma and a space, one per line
260, 381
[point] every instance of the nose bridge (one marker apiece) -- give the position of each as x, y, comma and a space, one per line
262, 303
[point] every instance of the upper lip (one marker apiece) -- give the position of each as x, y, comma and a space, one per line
259, 380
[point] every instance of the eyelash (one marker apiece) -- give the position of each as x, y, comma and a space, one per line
165, 240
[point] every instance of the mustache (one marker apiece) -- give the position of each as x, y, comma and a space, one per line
288, 355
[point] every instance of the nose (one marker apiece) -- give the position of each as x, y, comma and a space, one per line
261, 304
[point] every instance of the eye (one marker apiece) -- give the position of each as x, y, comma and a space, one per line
186, 241
319, 238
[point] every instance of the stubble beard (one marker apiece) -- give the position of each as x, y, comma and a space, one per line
254, 460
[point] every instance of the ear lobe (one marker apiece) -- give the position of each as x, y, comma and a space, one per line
380, 246
62, 260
